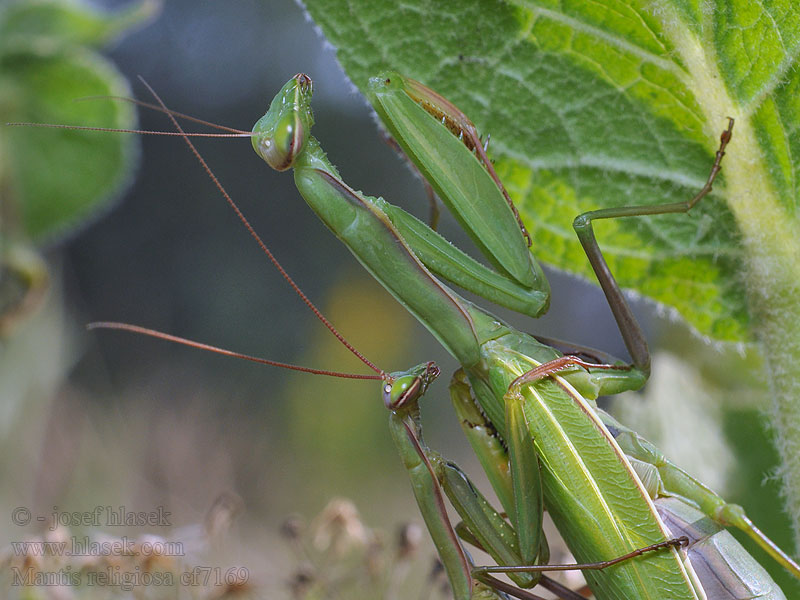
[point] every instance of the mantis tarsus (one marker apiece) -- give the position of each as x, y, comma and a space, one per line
534, 427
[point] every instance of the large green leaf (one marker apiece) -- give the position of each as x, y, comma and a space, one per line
622, 102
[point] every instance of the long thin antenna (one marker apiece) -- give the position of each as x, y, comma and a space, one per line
150, 106
258, 239
192, 344
166, 111
139, 131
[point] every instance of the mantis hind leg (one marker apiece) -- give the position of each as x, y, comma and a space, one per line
666, 478
631, 332
484, 574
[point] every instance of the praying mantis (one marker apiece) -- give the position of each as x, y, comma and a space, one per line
520, 385
527, 410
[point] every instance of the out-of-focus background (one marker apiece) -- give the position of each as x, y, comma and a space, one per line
107, 418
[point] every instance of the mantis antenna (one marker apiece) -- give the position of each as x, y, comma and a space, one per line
235, 133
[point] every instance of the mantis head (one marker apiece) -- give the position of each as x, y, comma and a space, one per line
387, 81
404, 388
280, 135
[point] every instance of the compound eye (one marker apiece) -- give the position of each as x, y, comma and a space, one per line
281, 148
402, 391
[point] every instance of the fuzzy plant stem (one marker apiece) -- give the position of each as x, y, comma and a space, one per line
771, 243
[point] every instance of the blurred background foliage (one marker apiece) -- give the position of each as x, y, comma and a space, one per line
107, 418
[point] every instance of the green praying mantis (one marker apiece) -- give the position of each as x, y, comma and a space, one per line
527, 410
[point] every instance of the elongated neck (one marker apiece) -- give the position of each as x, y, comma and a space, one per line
362, 224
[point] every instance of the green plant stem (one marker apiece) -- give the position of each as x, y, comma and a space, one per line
771, 241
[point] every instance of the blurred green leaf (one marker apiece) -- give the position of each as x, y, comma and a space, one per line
61, 177
73, 22
53, 180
